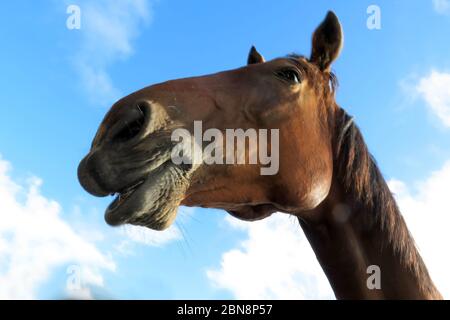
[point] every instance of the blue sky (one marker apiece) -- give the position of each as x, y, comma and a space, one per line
58, 83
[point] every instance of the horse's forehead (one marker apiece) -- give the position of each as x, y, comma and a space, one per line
301, 60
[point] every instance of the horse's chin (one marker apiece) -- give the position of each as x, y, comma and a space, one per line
154, 201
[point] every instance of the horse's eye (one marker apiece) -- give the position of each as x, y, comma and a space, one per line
289, 75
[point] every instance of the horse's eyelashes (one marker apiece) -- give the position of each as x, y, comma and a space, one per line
289, 75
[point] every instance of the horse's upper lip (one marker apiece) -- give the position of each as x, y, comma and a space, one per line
131, 187
89, 177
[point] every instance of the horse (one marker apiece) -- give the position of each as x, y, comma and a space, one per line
326, 176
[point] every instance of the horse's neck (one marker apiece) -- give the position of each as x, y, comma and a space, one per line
348, 240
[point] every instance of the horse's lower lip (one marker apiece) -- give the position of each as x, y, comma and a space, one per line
124, 195
127, 203
153, 202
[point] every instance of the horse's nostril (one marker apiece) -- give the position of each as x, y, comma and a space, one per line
131, 124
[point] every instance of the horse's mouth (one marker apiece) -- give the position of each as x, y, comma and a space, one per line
122, 196
152, 201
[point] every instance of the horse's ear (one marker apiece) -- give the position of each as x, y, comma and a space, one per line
254, 56
327, 42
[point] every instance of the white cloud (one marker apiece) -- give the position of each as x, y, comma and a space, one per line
35, 240
435, 90
108, 29
427, 214
146, 236
275, 261
442, 6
